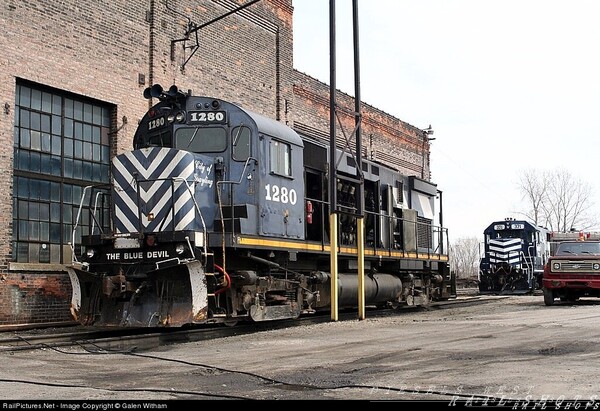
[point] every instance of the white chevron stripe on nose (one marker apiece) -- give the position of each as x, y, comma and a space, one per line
160, 167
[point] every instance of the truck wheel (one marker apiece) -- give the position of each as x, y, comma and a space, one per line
548, 297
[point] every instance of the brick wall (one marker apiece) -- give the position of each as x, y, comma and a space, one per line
384, 137
34, 298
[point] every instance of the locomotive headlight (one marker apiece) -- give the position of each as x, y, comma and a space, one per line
179, 249
556, 266
171, 118
90, 253
596, 266
180, 117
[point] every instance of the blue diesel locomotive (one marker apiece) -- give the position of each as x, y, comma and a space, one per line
220, 214
514, 255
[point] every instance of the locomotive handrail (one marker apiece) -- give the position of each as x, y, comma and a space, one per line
241, 174
231, 182
193, 198
432, 231
73, 256
524, 261
197, 207
529, 260
440, 231
93, 214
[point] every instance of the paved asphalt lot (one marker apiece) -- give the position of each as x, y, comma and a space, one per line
504, 348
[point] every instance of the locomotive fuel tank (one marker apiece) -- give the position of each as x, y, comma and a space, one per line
379, 288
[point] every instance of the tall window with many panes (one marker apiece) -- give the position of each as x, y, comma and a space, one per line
61, 146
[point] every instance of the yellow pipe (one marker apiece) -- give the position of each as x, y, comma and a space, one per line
361, 267
334, 265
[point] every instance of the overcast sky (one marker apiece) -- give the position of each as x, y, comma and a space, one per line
506, 85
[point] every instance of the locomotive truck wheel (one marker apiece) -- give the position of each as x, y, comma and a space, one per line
548, 297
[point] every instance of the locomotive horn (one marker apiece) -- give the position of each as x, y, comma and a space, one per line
156, 90
173, 90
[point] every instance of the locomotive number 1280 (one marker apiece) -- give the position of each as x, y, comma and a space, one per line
207, 117
281, 194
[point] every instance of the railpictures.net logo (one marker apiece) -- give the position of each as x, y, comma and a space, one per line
75, 406
530, 402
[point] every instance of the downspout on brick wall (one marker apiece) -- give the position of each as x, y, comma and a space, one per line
151, 42
277, 75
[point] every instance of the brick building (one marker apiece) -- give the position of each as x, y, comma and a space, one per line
71, 79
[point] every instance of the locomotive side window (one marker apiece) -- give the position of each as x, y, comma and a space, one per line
240, 137
281, 158
201, 140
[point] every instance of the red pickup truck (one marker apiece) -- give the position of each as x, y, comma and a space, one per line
572, 272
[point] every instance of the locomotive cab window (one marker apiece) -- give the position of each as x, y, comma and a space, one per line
281, 158
201, 140
240, 137
160, 139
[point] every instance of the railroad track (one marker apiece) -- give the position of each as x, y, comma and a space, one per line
140, 339
469, 301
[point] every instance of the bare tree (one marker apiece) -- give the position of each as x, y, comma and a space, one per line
465, 257
533, 185
557, 200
